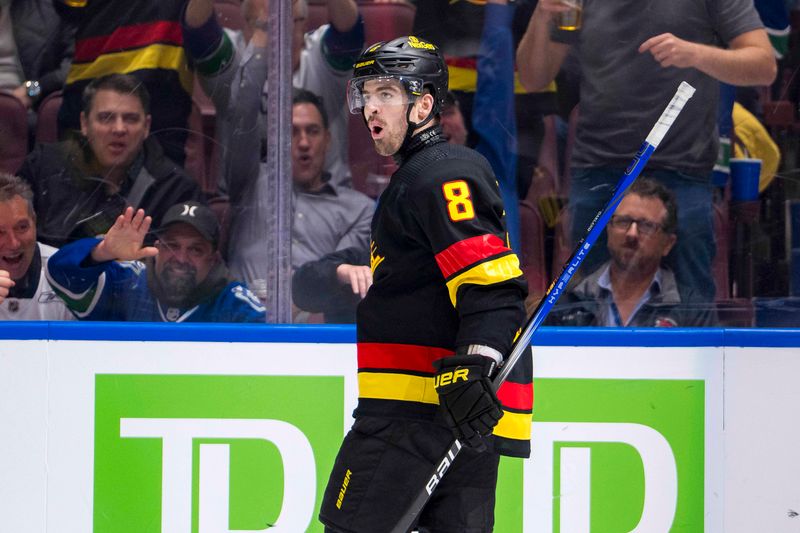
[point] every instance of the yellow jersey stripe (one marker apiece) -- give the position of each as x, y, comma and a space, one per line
156, 56
514, 426
466, 79
494, 271
388, 386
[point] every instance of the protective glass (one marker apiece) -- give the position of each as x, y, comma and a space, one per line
382, 91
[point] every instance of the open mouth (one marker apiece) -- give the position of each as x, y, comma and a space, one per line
12, 259
116, 147
375, 130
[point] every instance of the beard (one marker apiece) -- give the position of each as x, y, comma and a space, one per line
178, 283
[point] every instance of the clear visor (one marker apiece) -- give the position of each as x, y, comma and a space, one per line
382, 91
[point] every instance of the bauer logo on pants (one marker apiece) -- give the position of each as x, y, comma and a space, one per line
182, 454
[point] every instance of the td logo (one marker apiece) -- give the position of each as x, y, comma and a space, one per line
622, 455
213, 454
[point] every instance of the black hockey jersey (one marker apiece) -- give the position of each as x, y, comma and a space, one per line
443, 276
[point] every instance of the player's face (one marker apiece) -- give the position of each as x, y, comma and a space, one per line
385, 111
310, 142
17, 237
184, 260
632, 249
116, 127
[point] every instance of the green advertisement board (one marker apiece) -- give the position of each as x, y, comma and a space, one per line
216, 453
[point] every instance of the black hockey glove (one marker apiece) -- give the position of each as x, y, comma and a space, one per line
470, 407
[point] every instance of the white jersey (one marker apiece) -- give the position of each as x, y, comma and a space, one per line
44, 305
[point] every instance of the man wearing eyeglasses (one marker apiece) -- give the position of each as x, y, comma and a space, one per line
633, 288
180, 279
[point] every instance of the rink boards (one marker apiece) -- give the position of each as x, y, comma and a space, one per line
210, 429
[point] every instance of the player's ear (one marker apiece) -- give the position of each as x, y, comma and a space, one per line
423, 107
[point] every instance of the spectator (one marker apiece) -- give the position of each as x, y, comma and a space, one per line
234, 72
137, 37
634, 288
452, 121
36, 49
25, 293
80, 187
180, 279
326, 217
333, 285
632, 60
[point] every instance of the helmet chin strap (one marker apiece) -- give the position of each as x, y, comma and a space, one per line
412, 127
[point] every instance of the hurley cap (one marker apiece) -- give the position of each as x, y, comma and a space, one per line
197, 215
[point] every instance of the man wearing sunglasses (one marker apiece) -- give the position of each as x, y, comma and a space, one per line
633, 288
180, 279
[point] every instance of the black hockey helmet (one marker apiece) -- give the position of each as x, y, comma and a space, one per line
418, 64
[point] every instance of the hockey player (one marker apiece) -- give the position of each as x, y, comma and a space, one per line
445, 305
180, 279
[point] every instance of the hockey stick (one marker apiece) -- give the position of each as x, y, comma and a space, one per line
598, 224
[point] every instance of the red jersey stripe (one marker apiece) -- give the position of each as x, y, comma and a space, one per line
516, 395
463, 62
467, 252
128, 37
399, 356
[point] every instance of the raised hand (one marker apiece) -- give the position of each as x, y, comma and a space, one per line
5, 284
359, 277
123, 242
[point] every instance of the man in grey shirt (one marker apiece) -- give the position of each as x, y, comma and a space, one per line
633, 54
327, 217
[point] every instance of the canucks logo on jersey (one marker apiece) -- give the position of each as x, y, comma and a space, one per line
374, 258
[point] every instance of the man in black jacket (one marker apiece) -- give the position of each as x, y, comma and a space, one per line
80, 187
333, 285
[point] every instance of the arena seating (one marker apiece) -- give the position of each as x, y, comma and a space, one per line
229, 13
197, 149
13, 133
47, 118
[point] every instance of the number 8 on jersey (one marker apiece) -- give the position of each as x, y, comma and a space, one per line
459, 200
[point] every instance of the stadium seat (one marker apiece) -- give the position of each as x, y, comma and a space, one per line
196, 149
13, 133
229, 13
47, 118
